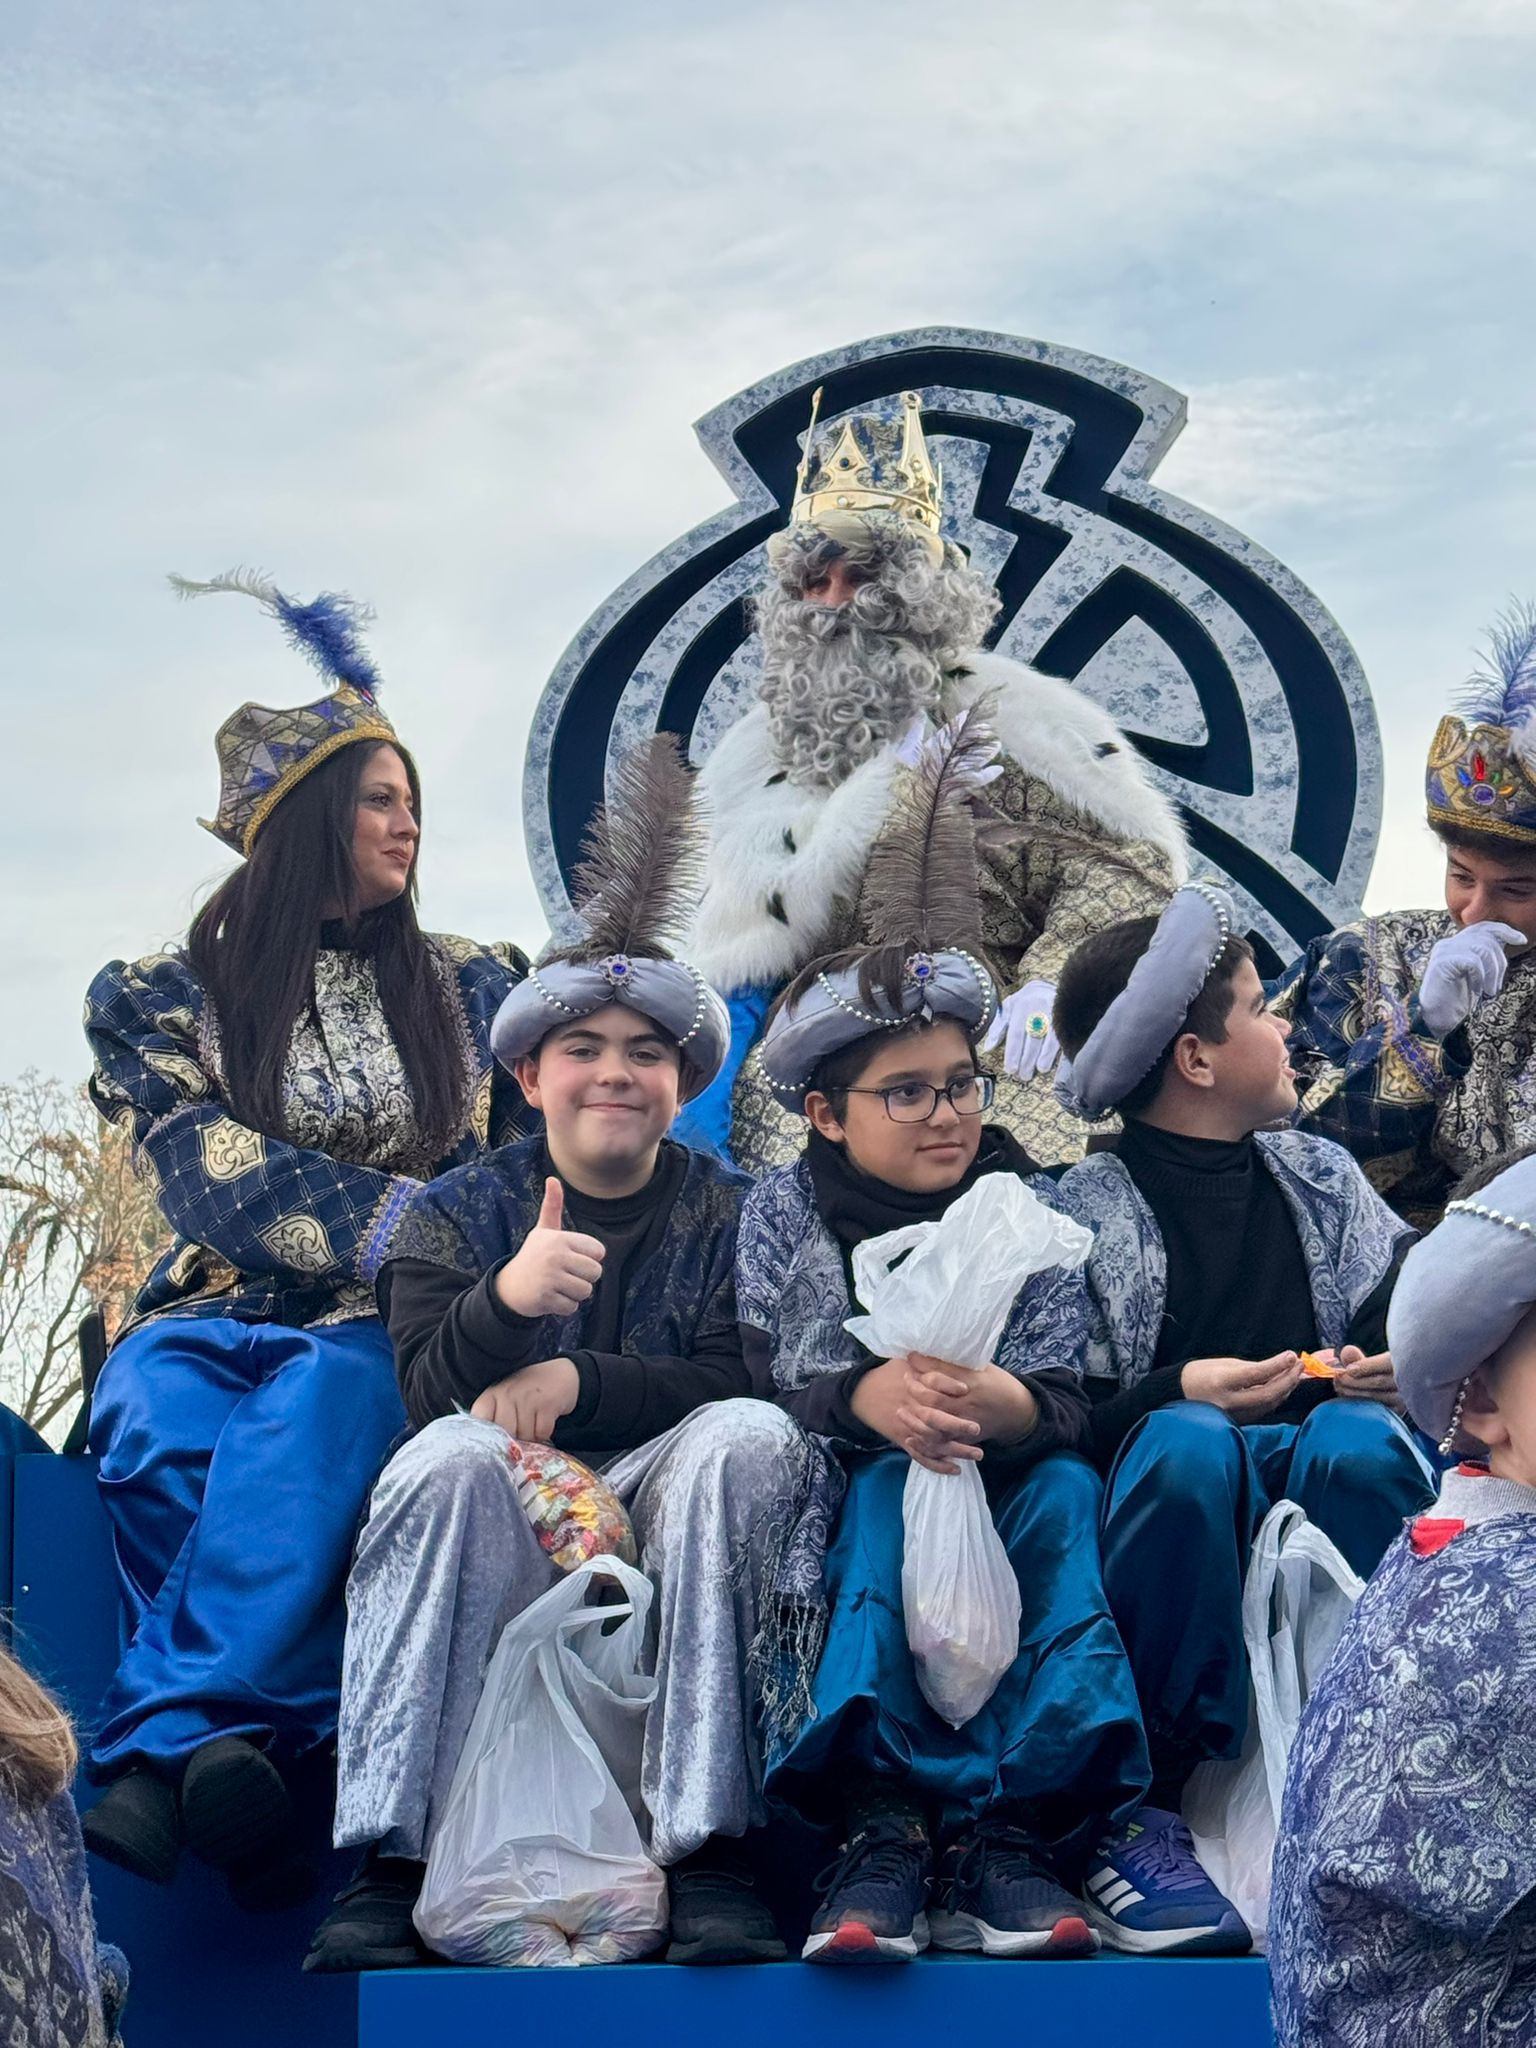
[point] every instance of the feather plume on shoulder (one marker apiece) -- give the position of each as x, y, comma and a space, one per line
642, 861
923, 883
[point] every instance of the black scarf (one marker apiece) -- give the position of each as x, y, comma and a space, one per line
855, 1205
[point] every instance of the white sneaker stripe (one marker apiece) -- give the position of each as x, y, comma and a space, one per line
1113, 1896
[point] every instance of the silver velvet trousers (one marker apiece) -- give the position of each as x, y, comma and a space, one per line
447, 1557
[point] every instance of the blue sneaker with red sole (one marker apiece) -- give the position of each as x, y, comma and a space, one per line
995, 1895
874, 1898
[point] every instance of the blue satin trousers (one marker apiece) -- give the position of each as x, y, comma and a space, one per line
1060, 1741
236, 1460
1182, 1505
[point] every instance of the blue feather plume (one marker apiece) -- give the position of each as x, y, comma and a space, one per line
1505, 692
326, 631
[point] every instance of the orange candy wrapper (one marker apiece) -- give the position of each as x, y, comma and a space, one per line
1320, 1365
575, 1515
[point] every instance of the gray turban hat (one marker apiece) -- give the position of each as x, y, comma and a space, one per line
832, 1013
669, 992
1461, 1292
1139, 1025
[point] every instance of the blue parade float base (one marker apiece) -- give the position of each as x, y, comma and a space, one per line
208, 1976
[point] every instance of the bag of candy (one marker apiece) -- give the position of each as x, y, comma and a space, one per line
575, 1515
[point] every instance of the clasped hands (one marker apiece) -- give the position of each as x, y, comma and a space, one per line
942, 1415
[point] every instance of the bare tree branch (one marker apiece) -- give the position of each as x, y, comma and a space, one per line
77, 1230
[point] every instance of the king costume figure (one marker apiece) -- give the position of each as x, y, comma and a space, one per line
871, 630
1414, 1033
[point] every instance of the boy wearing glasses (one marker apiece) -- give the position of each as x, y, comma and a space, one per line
877, 1050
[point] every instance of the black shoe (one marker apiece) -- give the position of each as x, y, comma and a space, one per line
874, 1897
717, 1917
235, 1808
369, 1926
134, 1825
995, 1895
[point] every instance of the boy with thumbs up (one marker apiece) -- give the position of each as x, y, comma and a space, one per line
576, 1289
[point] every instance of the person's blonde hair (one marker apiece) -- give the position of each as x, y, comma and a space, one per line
37, 1744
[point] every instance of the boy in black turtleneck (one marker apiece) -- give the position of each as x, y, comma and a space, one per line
1224, 1250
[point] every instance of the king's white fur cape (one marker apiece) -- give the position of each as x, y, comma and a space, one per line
783, 860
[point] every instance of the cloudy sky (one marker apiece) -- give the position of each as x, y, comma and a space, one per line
420, 301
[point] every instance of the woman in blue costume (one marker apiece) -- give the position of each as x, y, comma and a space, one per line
289, 1076
877, 1049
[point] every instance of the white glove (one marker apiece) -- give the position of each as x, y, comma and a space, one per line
921, 740
1465, 969
1024, 1020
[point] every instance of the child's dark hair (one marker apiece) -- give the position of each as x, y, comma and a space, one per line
1491, 845
839, 1071
1098, 972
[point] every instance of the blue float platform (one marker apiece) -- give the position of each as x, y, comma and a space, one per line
207, 1976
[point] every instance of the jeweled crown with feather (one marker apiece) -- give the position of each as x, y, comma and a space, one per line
1482, 764
263, 753
869, 463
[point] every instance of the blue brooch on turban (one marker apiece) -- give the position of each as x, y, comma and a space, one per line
263, 753
921, 907
635, 889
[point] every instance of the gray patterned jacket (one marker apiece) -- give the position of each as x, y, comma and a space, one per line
1349, 1238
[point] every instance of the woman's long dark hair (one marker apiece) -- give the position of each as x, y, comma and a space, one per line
253, 946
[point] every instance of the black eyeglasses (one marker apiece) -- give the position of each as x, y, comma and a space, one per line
913, 1102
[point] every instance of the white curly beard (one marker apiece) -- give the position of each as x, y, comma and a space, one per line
839, 681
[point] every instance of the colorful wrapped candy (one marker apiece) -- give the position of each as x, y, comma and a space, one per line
575, 1514
1321, 1365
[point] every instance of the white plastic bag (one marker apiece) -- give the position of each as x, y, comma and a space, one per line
540, 1855
958, 1592
951, 1294
1296, 1599
950, 1298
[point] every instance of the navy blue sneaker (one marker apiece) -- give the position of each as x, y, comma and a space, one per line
995, 1894
874, 1897
1148, 1895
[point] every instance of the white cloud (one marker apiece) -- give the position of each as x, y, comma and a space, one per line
422, 303
1264, 446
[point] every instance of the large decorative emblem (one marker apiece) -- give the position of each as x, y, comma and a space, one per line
1228, 674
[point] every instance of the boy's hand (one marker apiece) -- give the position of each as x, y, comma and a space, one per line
890, 1401
554, 1271
1002, 1408
530, 1403
1244, 1387
1368, 1379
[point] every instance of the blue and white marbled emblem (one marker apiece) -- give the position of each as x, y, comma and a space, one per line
1232, 679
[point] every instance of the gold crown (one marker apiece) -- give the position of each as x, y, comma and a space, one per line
874, 465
